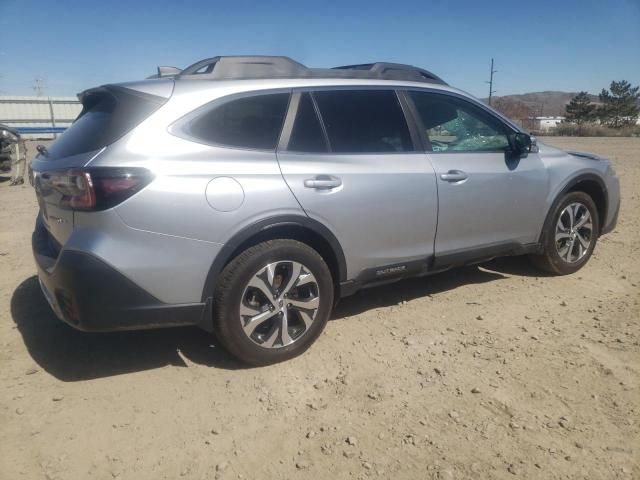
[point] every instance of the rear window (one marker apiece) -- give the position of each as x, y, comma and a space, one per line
249, 122
364, 121
106, 116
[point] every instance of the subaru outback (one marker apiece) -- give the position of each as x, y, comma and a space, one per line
246, 195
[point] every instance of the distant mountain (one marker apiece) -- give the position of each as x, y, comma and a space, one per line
547, 104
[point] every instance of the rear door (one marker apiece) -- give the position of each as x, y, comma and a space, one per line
350, 159
489, 202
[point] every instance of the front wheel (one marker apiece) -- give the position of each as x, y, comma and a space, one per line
272, 301
570, 235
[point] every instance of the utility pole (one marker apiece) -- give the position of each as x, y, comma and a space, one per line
490, 82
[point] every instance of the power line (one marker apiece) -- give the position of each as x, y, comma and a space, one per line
490, 82
39, 86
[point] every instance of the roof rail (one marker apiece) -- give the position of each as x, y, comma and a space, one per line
394, 69
256, 67
233, 67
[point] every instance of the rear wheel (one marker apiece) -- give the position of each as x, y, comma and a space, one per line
570, 235
272, 301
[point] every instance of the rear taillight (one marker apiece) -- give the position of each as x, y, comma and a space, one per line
97, 188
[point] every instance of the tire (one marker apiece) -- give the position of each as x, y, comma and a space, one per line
257, 294
561, 257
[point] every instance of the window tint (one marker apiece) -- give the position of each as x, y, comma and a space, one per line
307, 135
453, 124
106, 116
247, 122
364, 121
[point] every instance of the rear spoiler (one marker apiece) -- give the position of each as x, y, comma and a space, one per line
156, 92
165, 71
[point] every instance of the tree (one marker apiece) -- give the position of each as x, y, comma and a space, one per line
619, 105
580, 110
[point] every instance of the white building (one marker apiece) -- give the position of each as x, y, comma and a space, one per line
548, 123
39, 117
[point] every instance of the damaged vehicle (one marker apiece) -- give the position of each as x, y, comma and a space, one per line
8, 139
246, 195
12, 154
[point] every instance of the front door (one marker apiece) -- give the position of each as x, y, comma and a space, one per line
488, 200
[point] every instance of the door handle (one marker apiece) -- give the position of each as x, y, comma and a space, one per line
454, 176
323, 182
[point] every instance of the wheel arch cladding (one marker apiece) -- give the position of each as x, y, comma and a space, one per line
590, 184
303, 229
595, 188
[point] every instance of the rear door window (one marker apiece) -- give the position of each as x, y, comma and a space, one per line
251, 122
307, 134
364, 121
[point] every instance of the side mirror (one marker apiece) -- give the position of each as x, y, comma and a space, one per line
520, 144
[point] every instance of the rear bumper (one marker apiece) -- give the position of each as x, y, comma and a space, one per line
90, 295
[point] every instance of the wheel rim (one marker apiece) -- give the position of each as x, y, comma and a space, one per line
279, 304
574, 232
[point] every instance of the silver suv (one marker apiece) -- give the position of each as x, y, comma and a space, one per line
245, 195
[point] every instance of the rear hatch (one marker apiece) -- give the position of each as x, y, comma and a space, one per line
108, 113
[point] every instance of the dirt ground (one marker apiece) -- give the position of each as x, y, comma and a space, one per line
482, 372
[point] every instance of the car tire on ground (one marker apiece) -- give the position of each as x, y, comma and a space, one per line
569, 235
272, 301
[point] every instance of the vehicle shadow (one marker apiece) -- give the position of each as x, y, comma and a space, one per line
71, 355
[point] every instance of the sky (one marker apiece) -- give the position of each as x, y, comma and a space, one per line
567, 45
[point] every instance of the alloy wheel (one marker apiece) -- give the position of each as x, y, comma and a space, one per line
279, 304
574, 232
